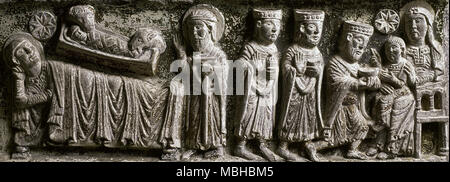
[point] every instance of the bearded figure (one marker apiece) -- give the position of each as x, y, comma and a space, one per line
302, 68
203, 26
260, 61
346, 121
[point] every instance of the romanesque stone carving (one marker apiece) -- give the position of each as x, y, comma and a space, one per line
97, 87
427, 56
387, 21
395, 103
346, 121
172, 130
42, 25
302, 68
25, 59
202, 28
90, 107
86, 106
260, 61
81, 35
421, 47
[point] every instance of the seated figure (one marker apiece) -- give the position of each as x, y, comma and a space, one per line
62, 103
395, 103
422, 49
31, 89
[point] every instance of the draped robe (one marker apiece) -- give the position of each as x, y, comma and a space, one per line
345, 108
205, 127
92, 107
427, 61
256, 114
31, 101
396, 111
301, 116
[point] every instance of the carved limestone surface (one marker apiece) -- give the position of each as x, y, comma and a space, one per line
202, 28
302, 69
42, 25
427, 56
25, 59
68, 104
387, 21
248, 81
346, 120
81, 35
395, 103
259, 63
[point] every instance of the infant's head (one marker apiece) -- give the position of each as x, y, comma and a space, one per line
394, 49
145, 39
84, 16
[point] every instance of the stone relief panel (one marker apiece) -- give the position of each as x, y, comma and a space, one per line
202, 28
42, 25
427, 56
246, 83
387, 21
81, 35
260, 63
302, 72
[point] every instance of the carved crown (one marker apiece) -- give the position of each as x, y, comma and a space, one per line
203, 15
422, 11
267, 14
309, 15
356, 27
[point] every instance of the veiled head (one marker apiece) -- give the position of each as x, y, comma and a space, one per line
203, 26
23, 53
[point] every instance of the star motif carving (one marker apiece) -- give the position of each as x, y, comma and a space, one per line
42, 25
387, 21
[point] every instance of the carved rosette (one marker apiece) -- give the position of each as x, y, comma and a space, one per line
42, 25
387, 21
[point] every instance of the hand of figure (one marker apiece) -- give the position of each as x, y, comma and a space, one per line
398, 83
207, 68
375, 59
362, 82
385, 76
373, 82
261, 91
387, 89
179, 46
411, 73
311, 71
297, 69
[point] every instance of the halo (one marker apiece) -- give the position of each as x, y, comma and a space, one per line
25, 36
220, 19
417, 3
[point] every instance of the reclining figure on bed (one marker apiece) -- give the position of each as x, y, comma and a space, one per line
68, 103
145, 45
